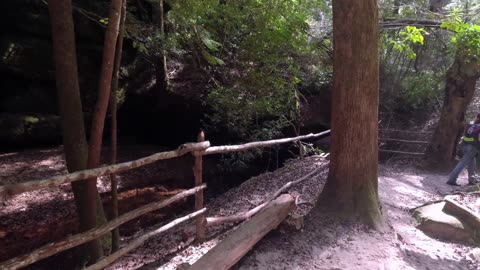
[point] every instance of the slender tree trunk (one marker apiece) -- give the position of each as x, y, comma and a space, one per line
104, 86
351, 188
459, 89
69, 101
96, 132
161, 61
113, 110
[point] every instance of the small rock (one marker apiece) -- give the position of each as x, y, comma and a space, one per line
437, 224
295, 221
474, 254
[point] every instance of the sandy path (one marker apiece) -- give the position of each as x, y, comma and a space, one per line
328, 244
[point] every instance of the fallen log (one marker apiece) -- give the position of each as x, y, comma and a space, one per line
238, 243
455, 209
213, 221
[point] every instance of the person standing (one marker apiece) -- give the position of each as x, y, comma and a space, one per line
471, 147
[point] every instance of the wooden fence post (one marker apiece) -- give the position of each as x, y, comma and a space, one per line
197, 172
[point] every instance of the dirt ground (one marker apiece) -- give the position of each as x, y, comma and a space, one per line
325, 243
322, 243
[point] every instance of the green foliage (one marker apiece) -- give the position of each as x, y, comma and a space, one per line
258, 44
31, 119
402, 8
315, 79
409, 36
140, 47
104, 21
256, 112
255, 53
470, 7
420, 89
311, 149
411, 76
466, 40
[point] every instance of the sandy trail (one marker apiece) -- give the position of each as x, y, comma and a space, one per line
328, 244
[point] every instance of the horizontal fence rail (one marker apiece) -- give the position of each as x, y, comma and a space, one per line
120, 167
142, 239
85, 174
243, 147
78, 239
401, 152
197, 149
403, 141
404, 131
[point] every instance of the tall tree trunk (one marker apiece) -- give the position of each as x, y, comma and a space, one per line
460, 85
69, 102
98, 122
113, 133
161, 61
351, 189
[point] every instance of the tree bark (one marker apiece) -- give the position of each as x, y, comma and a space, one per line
96, 131
351, 188
104, 86
198, 173
70, 107
459, 89
113, 130
161, 61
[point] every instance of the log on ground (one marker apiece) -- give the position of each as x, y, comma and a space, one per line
238, 243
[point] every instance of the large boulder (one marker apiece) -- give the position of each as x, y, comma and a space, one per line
437, 224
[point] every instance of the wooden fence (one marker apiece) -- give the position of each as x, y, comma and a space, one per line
403, 142
198, 149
